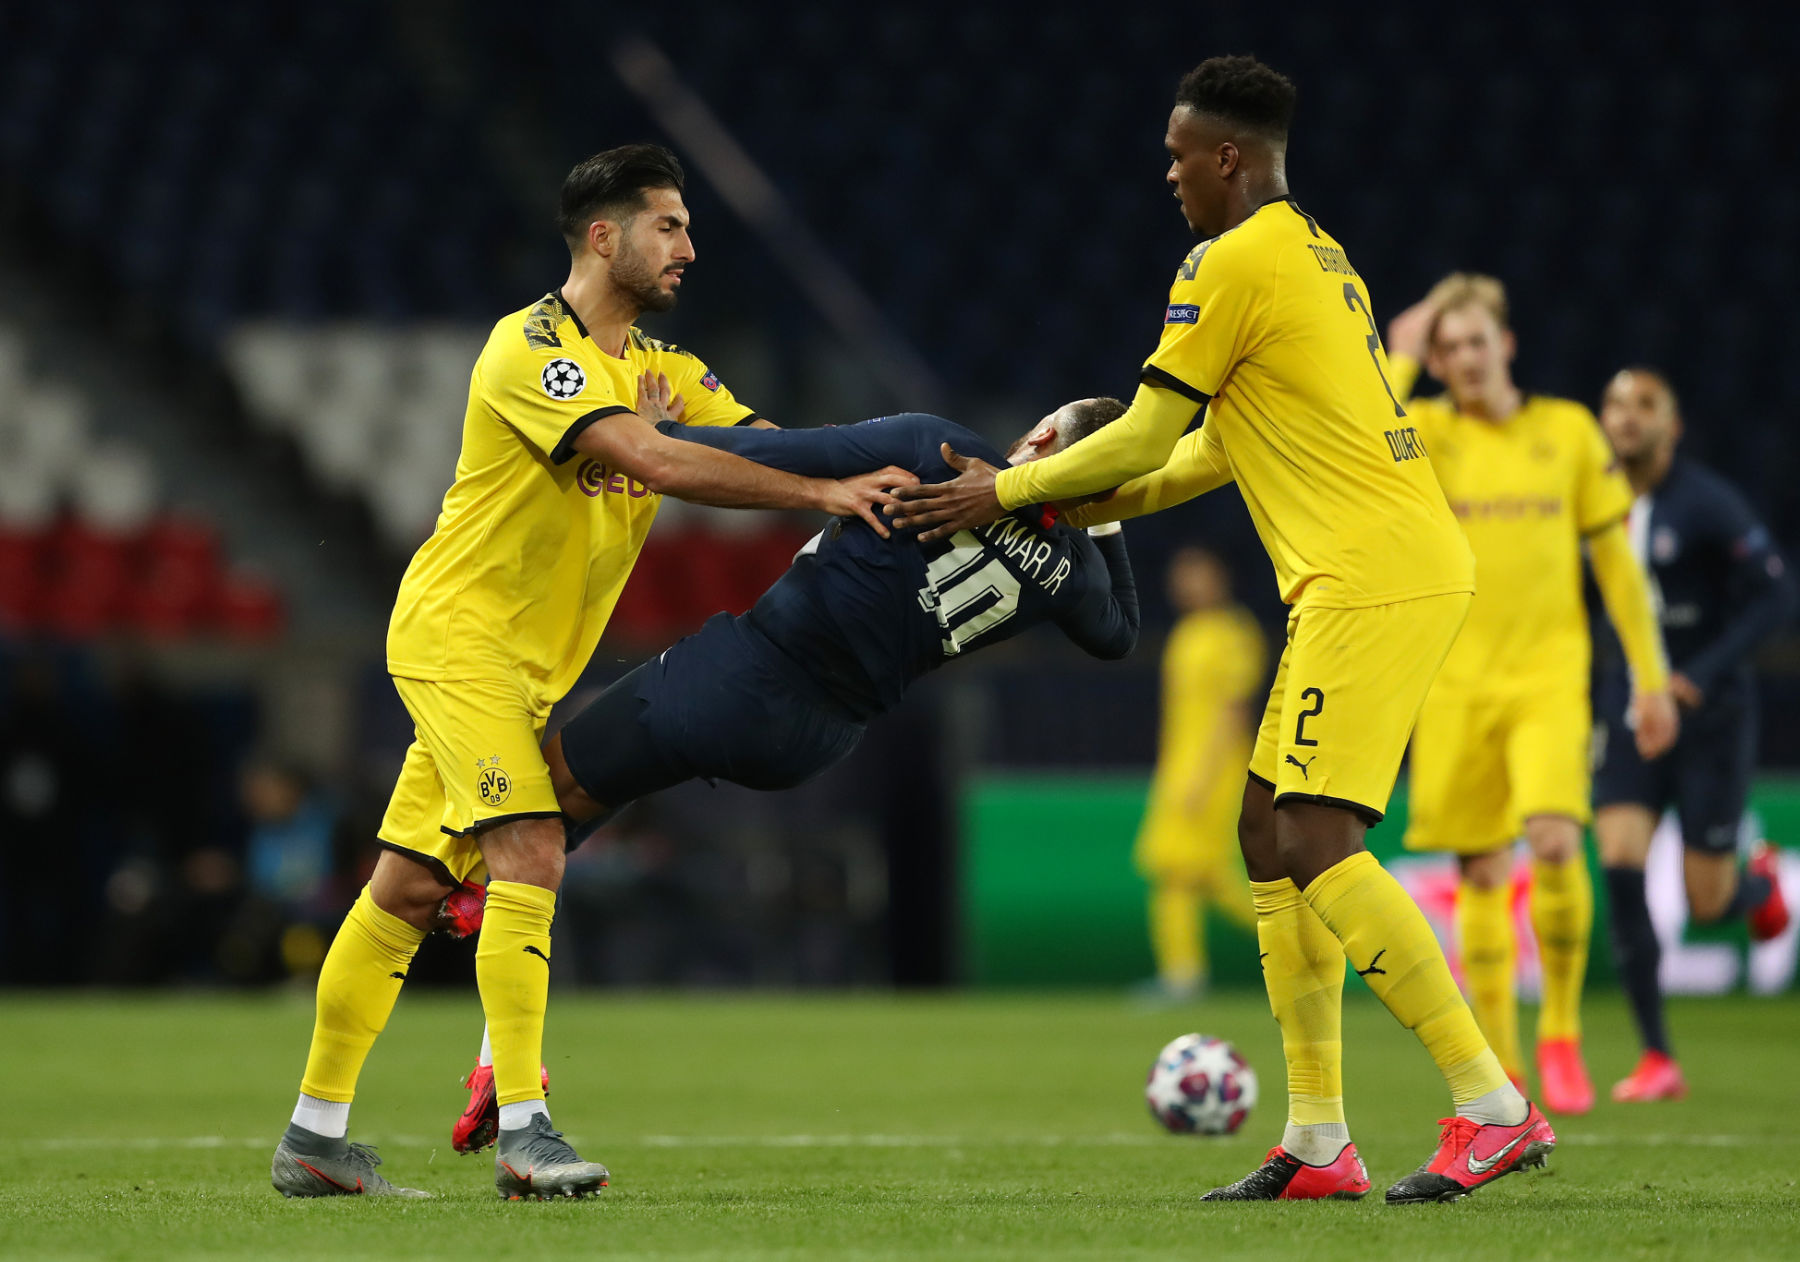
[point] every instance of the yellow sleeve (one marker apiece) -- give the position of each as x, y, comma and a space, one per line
1602, 495
547, 396
1248, 659
709, 400
1405, 370
1138, 442
1626, 594
1196, 466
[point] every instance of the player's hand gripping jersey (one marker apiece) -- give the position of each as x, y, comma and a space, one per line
534, 544
870, 615
1268, 327
772, 698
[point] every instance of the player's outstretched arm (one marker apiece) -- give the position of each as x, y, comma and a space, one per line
1136, 443
833, 452
702, 475
1196, 466
1626, 594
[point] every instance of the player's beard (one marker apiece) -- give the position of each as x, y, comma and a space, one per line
632, 273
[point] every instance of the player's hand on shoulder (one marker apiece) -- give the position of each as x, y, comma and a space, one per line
865, 495
1655, 723
1408, 331
657, 400
940, 509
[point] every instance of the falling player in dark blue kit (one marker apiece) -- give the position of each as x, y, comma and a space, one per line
771, 698
1721, 588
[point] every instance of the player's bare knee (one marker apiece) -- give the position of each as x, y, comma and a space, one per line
1553, 838
1487, 871
406, 890
525, 851
1256, 833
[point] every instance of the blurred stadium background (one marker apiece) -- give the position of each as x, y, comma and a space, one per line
248, 253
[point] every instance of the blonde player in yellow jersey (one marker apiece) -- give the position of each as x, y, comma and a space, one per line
559, 479
1502, 743
1268, 332
1212, 664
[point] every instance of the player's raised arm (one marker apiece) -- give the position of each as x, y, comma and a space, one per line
700, 474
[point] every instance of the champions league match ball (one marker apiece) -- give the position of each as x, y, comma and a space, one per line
1199, 1085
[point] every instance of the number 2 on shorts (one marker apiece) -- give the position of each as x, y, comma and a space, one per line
1317, 697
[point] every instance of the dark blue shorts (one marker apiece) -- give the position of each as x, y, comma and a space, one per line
1705, 778
722, 704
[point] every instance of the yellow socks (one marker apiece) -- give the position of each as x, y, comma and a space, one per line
1303, 969
1562, 916
512, 968
358, 984
1175, 934
1490, 952
1389, 944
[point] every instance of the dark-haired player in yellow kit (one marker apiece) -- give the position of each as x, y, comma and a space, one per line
1268, 330
559, 478
1502, 743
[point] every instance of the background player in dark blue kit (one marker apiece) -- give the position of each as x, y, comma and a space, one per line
1721, 589
771, 698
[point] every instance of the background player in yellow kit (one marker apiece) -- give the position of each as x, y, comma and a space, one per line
556, 486
1502, 744
1268, 332
1187, 844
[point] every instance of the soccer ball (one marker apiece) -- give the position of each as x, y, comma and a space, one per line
1199, 1085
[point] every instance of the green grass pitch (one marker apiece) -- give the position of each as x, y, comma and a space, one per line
854, 1127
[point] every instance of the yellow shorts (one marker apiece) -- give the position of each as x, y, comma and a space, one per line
1346, 694
476, 760
1175, 844
1482, 765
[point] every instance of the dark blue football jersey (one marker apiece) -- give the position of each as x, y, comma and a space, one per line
866, 616
1721, 586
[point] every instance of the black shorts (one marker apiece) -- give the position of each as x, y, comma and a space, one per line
722, 704
1705, 778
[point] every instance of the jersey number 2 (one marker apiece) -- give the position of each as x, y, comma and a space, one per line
1354, 301
970, 590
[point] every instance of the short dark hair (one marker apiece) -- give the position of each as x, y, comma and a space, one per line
612, 181
1240, 90
1086, 417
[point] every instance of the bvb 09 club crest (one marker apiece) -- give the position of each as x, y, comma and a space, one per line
492, 784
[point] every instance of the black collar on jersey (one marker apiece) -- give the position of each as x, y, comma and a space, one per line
580, 327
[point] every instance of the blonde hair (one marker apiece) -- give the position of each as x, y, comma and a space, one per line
1468, 289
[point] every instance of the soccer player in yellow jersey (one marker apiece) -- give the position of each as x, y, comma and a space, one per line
1268, 332
1502, 743
557, 484
1212, 664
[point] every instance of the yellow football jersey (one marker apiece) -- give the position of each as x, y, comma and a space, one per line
1269, 326
1215, 658
1526, 491
534, 545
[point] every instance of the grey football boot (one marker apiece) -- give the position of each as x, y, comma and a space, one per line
536, 1163
308, 1164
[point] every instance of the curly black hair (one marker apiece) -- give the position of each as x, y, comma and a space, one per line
614, 180
1240, 90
